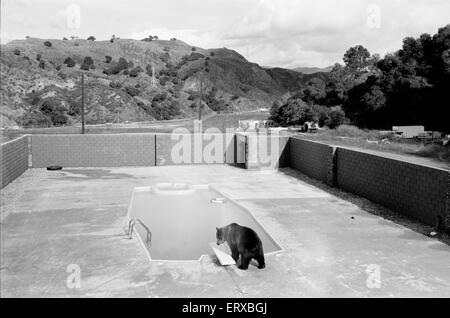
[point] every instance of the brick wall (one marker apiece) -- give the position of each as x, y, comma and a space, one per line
313, 159
417, 191
14, 159
109, 150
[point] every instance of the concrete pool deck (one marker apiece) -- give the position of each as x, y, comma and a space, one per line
52, 219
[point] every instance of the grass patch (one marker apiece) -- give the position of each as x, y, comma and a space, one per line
352, 136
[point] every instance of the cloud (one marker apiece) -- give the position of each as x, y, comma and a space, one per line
318, 33
286, 33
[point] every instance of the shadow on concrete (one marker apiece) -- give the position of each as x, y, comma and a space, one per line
440, 247
93, 174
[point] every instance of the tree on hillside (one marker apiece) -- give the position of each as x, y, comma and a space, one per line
357, 59
69, 62
91, 38
407, 87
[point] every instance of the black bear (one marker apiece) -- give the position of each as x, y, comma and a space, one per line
243, 241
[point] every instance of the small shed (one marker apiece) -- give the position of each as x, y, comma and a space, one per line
409, 131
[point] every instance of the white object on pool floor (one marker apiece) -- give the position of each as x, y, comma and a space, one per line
218, 200
223, 253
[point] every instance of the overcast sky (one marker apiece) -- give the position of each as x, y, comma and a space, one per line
284, 33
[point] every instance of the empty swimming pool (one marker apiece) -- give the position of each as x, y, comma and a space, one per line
182, 220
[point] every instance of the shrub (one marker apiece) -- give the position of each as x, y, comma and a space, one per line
164, 57
48, 44
38, 57
135, 71
16, 51
87, 62
336, 118
59, 119
116, 68
212, 53
77, 44
108, 59
64, 39
165, 110
91, 38
125, 72
35, 119
195, 56
115, 84
53, 111
193, 49
69, 62
173, 39
58, 67
132, 91
159, 97
163, 80
123, 64
42, 64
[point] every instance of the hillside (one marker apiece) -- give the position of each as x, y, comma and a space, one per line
312, 70
41, 81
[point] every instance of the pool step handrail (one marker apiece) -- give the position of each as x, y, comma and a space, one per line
131, 225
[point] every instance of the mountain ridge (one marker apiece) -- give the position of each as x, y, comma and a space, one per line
40, 81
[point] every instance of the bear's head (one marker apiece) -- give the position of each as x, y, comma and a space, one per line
220, 236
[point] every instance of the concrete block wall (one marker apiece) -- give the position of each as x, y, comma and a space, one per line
14, 159
314, 159
108, 150
266, 152
414, 190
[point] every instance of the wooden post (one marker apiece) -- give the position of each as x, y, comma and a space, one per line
82, 104
201, 95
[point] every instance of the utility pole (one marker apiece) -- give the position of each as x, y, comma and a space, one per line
82, 104
200, 100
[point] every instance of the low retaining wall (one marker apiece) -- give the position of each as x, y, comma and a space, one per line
313, 159
112, 150
414, 190
14, 159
